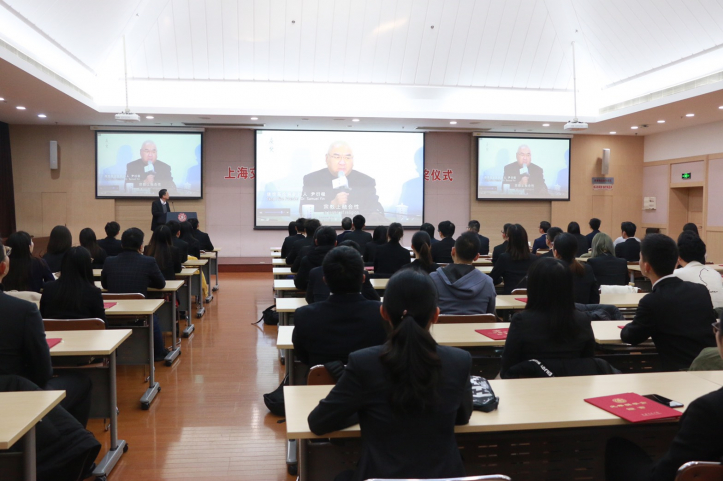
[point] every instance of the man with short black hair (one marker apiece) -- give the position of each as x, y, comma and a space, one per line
295, 234
541, 242
677, 315
159, 209
484, 242
346, 229
346, 322
429, 229
110, 244
498, 250
630, 248
301, 247
462, 288
179, 244
324, 241
595, 226
442, 250
552, 232
203, 238
317, 290
691, 258
358, 235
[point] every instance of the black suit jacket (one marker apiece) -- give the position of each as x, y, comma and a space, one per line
390, 257
484, 245
182, 247
23, 349
442, 251
591, 236
319, 191
329, 330
370, 252
136, 174
288, 242
317, 290
586, 287
510, 271
296, 248
394, 445
159, 215
308, 262
582, 244
628, 250
169, 272
498, 251
536, 177
131, 272
360, 237
194, 248
92, 303
203, 239
609, 270
111, 246
677, 315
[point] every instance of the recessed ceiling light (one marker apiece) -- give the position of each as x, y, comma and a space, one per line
545, 125
453, 122
3, 100
20, 107
149, 117
661, 121
634, 127
355, 120
613, 133
690, 115
254, 118
42, 116
721, 107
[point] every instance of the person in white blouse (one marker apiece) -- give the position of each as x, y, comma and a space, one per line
693, 269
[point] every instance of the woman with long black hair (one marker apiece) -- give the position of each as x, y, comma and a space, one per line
167, 256
379, 237
513, 264
88, 240
585, 285
422, 248
408, 393
28, 273
194, 248
391, 256
60, 241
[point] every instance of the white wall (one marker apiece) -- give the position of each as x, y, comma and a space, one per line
698, 140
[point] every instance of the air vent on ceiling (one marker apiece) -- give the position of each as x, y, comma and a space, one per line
455, 129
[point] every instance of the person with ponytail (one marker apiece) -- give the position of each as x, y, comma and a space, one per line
585, 285
513, 264
422, 248
391, 256
407, 394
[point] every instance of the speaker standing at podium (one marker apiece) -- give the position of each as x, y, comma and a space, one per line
159, 209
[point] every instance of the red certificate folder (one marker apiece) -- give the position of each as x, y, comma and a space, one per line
521, 299
634, 407
53, 341
108, 305
494, 334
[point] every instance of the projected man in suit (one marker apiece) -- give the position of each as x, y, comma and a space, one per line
149, 172
339, 188
523, 174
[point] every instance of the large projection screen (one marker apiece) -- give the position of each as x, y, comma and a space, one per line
140, 164
329, 175
516, 168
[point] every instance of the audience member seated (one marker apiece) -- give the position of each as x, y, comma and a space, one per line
691, 258
24, 351
301, 247
28, 273
391, 256
608, 269
630, 248
110, 244
541, 242
182, 246
378, 238
358, 235
595, 227
462, 288
60, 241
296, 232
73, 295
585, 286
324, 241
317, 290
499, 249
422, 248
484, 242
621, 238
204, 240
698, 439
677, 315
550, 328
194, 248
652, 230
167, 256
573, 228
345, 229
692, 227
552, 233
346, 322
407, 395
132, 272
442, 250
429, 229
512, 266
97, 253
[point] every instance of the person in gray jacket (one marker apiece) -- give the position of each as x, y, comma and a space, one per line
462, 288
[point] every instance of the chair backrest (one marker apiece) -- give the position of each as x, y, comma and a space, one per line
468, 319
700, 471
319, 375
491, 477
91, 324
519, 292
119, 297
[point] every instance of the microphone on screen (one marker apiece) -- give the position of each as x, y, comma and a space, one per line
343, 182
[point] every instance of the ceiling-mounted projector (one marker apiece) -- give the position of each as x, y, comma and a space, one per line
127, 117
576, 126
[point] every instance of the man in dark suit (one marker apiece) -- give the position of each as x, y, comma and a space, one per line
302, 246
541, 242
132, 272
499, 249
346, 322
595, 226
677, 315
340, 189
523, 174
484, 242
324, 241
552, 232
179, 244
203, 239
149, 172
110, 244
629, 249
346, 229
429, 229
289, 240
442, 250
358, 235
159, 209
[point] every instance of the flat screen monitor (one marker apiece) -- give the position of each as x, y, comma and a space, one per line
523, 168
329, 175
140, 164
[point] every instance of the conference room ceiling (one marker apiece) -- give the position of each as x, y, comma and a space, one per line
429, 61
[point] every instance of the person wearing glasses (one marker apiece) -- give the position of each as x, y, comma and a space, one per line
339, 189
677, 314
148, 173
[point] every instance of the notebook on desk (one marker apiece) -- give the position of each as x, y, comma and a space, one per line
108, 305
494, 334
633, 407
53, 341
521, 299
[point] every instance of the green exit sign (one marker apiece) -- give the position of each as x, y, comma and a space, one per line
686, 175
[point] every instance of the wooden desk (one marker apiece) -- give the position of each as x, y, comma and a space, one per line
203, 266
286, 287
99, 343
715, 377
282, 272
187, 274
619, 300
275, 252
213, 265
483, 261
278, 262
485, 268
19, 413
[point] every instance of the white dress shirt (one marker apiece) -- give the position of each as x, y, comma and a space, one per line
700, 274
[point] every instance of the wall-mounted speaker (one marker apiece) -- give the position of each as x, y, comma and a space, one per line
605, 162
53, 155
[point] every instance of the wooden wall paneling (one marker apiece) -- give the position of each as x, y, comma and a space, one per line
55, 211
677, 209
714, 246
493, 215
602, 208
695, 207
